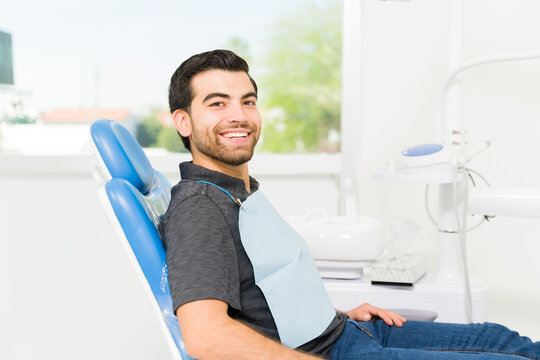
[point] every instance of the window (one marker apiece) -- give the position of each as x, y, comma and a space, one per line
88, 60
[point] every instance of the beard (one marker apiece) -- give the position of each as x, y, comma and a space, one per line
211, 144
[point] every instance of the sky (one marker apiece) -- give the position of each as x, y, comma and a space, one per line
60, 47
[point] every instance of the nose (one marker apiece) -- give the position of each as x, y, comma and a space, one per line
237, 113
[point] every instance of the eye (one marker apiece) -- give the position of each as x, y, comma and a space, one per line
250, 103
217, 104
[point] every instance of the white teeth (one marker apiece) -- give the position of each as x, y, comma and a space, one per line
235, 135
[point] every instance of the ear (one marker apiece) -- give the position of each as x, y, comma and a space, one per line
182, 122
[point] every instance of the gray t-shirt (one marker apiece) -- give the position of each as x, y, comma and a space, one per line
206, 259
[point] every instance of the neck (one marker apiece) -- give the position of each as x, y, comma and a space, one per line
237, 171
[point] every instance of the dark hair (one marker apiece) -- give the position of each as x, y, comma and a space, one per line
180, 92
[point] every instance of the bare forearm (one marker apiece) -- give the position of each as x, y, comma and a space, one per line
234, 340
209, 333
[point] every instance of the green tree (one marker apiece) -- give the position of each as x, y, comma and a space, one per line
169, 139
301, 85
240, 47
147, 131
20, 119
17, 114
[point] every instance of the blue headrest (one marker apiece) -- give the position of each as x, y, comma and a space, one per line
122, 154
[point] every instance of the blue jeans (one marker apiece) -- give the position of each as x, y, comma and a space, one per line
418, 340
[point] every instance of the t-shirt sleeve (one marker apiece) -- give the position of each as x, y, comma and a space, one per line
201, 257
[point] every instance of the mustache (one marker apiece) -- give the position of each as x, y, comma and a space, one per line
245, 126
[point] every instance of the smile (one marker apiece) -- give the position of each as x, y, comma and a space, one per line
235, 135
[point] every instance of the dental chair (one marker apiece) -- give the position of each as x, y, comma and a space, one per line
136, 196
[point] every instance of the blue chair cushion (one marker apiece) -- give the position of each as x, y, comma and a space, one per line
122, 155
139, 216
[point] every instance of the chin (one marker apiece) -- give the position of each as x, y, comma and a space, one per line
237, 160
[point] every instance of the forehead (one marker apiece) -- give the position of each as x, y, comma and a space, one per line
233, 83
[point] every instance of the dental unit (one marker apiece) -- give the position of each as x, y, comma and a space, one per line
448, 292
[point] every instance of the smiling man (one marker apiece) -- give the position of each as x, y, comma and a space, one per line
243, 283
222, 121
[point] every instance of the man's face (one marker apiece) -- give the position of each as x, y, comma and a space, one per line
225, 121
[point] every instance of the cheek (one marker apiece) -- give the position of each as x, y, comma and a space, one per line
256, 118
203, 123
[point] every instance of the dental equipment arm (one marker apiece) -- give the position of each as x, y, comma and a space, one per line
504, 202
461, 158
491, 201
443, 121
209, 333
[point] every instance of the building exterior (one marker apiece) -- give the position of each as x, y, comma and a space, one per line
6, 59
59, 131
87, 116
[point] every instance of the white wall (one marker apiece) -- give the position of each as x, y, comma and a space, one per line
405, 49
68, 291
43, 139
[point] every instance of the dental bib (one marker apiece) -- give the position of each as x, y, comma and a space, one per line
284, 271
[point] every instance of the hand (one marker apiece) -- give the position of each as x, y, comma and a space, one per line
367, 312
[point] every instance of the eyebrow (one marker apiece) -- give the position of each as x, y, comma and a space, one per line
225, 96
250, 94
